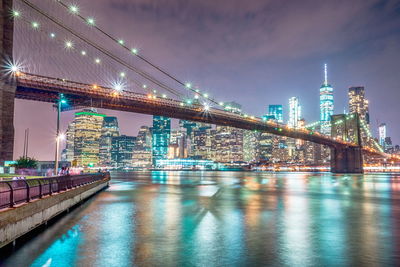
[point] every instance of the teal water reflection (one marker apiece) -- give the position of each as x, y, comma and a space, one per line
227, 219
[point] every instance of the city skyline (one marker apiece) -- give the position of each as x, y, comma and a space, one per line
298, 72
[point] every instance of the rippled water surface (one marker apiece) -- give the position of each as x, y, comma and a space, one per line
227, 219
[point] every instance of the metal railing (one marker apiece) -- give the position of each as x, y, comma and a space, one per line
22, 191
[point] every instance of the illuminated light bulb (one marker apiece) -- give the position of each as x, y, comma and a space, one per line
121, 42
52, 35
206, 107
118, 87
14, 68
188, 85
134, 51
74, 9
155, 91
164, 96
182, 104
35, 25
16, 13
95, 86
196, 96
149, 96
69, 44
91, 21
61, 137
144, 86
189, 101
122, 74
97, 61
221, 103
83, 53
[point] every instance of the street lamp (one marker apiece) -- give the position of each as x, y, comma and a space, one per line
61, 100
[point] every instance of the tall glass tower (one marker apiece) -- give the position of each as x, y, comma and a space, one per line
161, 136
275, 112
294, 112
326, 104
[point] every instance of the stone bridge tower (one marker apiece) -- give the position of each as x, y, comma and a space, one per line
7, 88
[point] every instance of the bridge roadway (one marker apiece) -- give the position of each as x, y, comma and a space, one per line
47, 89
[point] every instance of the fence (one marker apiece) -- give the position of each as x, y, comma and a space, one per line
21, 191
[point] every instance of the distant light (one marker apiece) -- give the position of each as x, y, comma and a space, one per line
121, 42
16, 13
196, 96
221, 103
95, 86
35, 25
188, 85
97, 60
91, 21
118, 86
164, 96
182, 104
134, 51
61, 137
83, 53
206, 95
63, 101
206, 107
52, 35
122, 74
155, 91
74, 9
69, 44
14, 68
144, 86
189, 101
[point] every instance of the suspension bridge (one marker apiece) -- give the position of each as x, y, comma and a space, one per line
139, 85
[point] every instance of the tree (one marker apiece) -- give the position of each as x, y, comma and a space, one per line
26, 163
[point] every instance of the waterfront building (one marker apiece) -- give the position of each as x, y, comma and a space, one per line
109, 130
265, 146
122, 150
326, 104
228, 144
160, 137
201, 142
69, 137
251, 146
142, 153
187, 164
87, 127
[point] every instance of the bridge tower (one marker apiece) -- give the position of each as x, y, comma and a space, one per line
345, 159
7, 88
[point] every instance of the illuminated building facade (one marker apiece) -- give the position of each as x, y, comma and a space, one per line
251, 146
294, 112
70, 136
142, 151
228, 144
382, 135
358, 103
275, 112
122, 151
109, 130
160, 137
87, 131
326, 104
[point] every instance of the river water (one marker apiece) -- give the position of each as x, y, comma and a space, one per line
227, 219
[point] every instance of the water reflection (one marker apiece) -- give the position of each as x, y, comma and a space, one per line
227, 218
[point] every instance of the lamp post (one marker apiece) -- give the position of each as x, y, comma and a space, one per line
60, 101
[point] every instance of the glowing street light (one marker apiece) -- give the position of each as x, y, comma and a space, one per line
97, 60
16, 13
35, 24
91, 21
69, 44
74, 9
206, 107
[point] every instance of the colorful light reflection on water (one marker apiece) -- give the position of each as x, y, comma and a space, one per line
225, 219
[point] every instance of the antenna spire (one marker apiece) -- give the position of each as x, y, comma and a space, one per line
326, 74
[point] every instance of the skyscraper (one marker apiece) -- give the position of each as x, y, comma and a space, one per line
109, 130
122, 150
275, 112
87, 132
358, 103
326, 104
142, 151
294, 112
161, 135
382, 135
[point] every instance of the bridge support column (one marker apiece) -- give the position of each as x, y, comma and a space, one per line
346, 160
7, 89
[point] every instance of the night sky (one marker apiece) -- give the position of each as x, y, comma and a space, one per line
254, 52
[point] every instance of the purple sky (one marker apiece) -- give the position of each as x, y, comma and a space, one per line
254, 52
